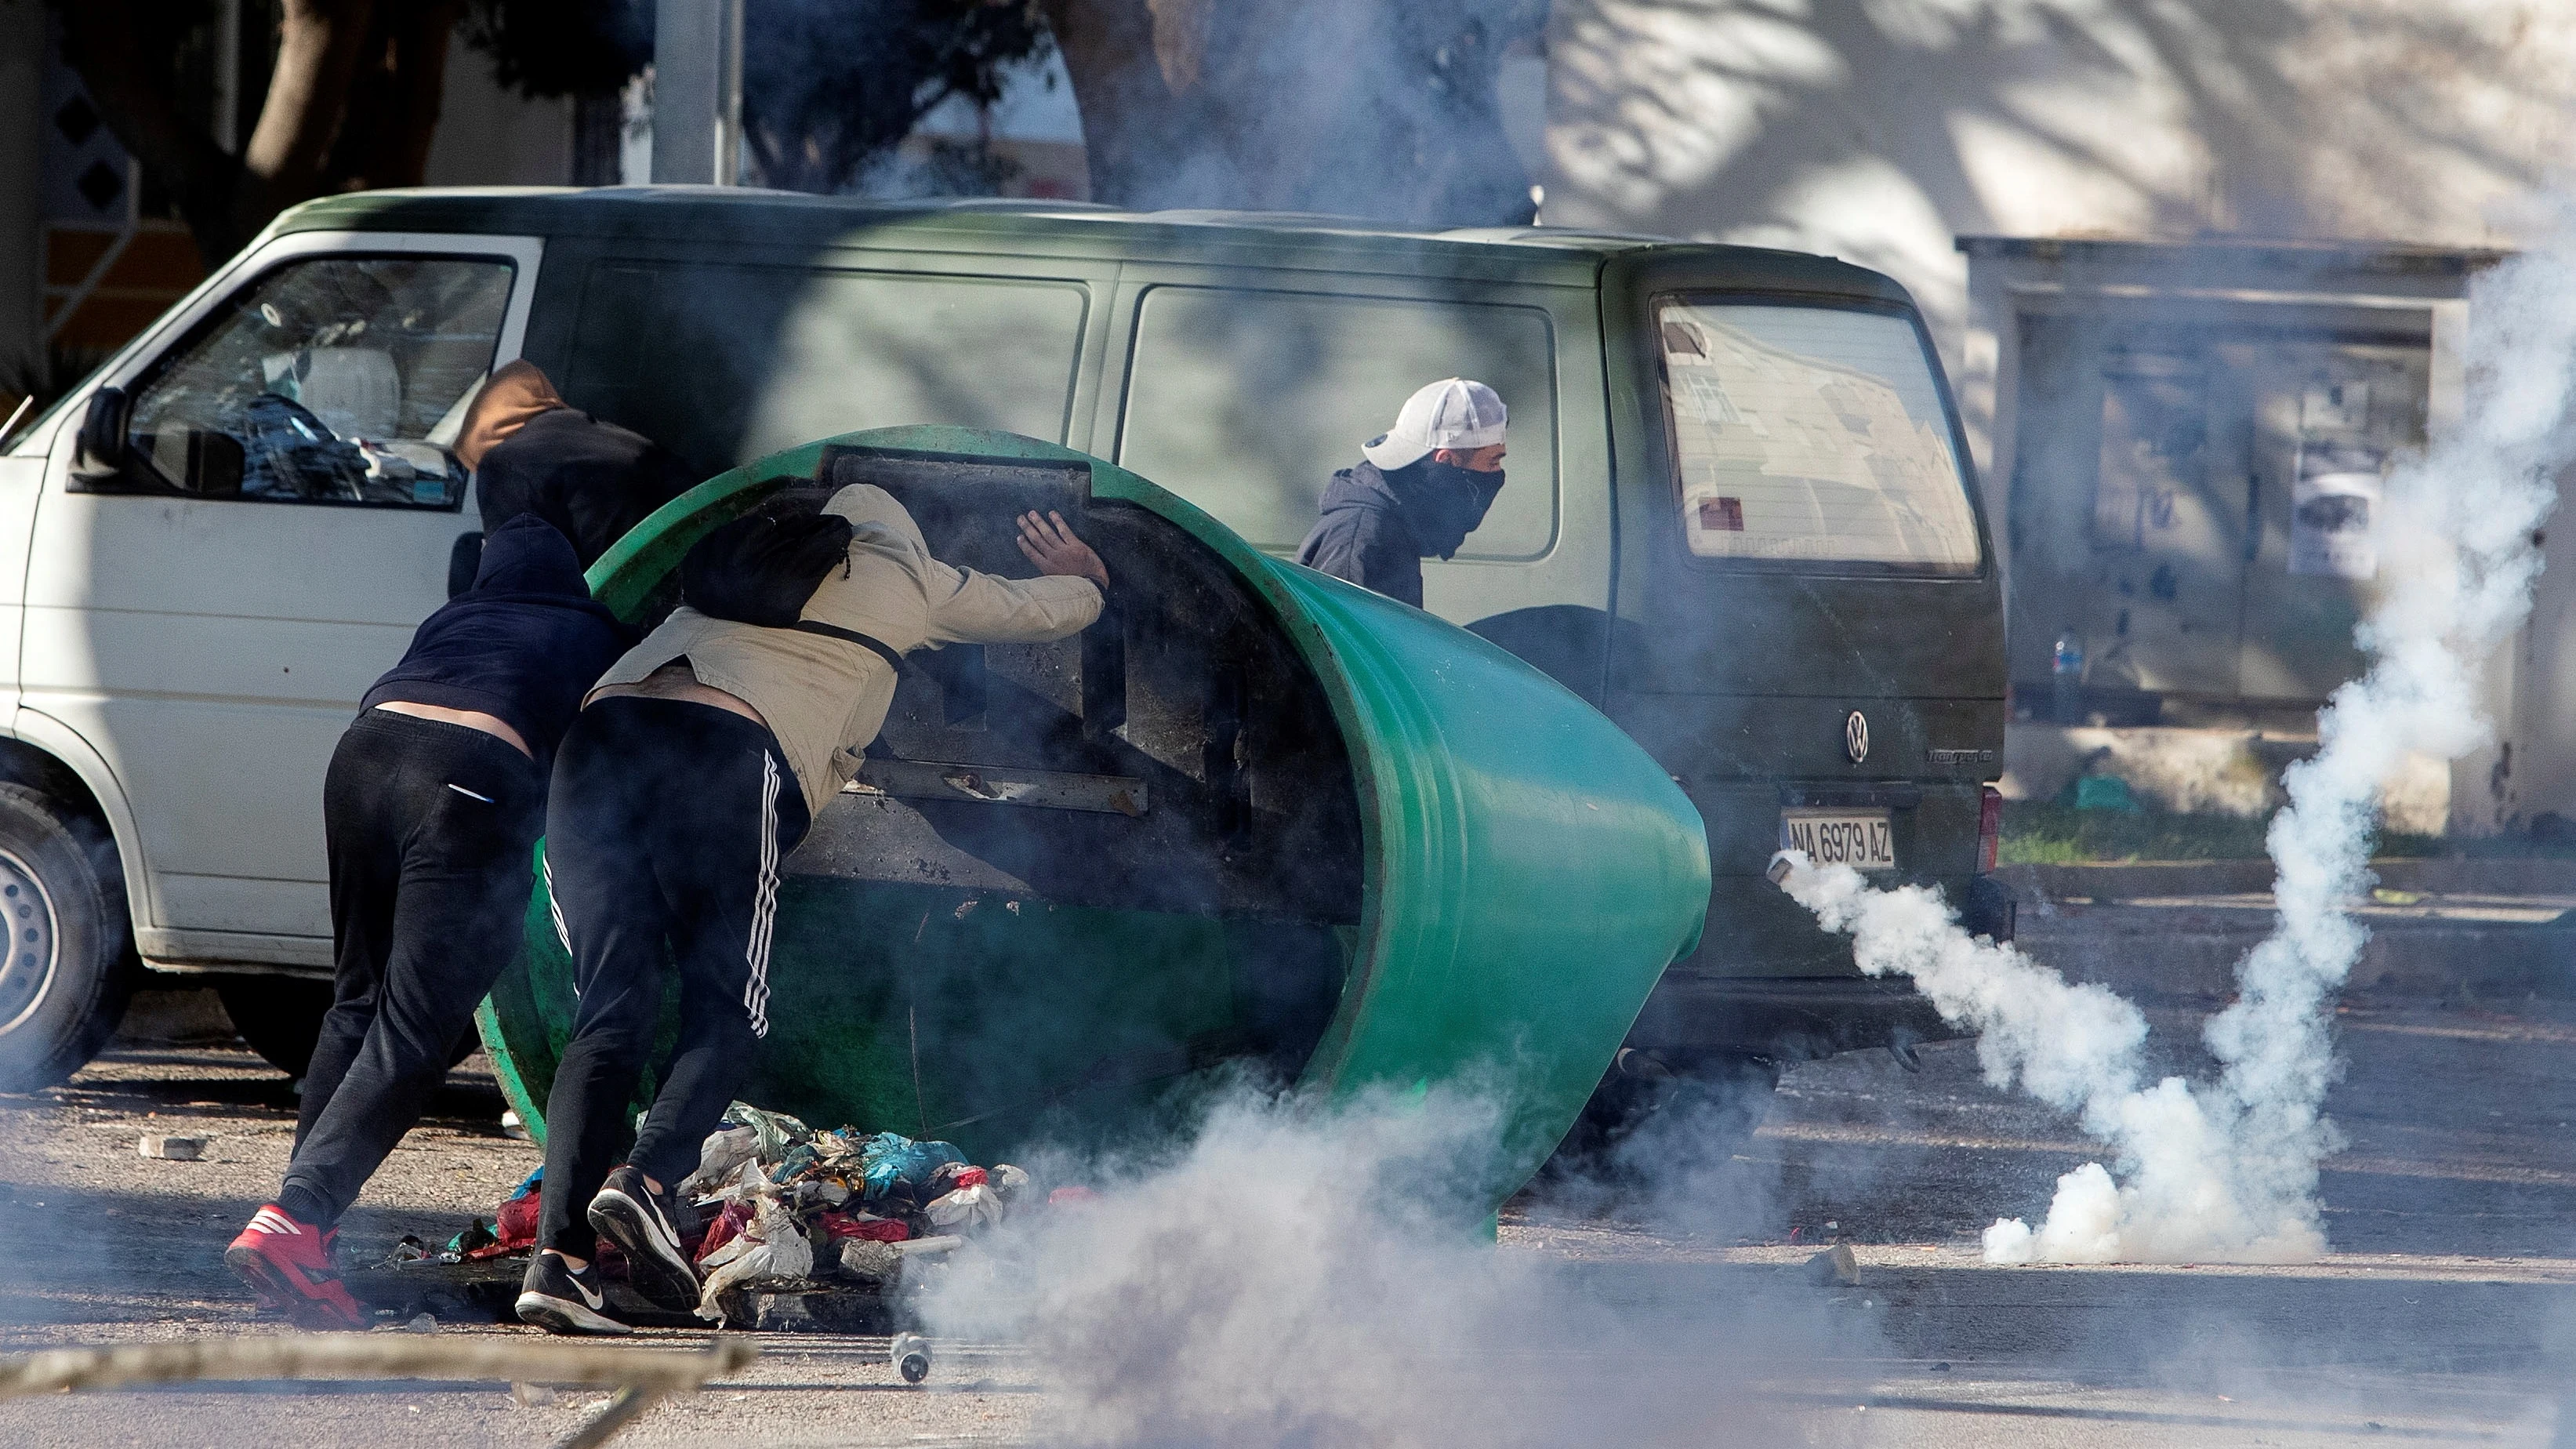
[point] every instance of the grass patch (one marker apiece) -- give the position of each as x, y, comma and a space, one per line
2038, 832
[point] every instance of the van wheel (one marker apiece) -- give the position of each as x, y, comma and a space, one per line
70, 970
280, 1016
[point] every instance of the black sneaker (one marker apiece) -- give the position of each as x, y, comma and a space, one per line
645, 1224
559, 1300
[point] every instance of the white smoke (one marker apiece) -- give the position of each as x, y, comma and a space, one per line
2227, 1170
1310, 1274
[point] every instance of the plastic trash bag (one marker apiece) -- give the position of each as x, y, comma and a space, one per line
772, 1245
778, 1131
725, 1149
894, 1169
726, 1227
967, 1210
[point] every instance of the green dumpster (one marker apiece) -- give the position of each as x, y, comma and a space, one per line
1254, 824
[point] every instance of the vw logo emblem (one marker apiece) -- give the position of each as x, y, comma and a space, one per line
1856, 737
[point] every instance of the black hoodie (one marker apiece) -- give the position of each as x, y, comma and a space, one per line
525, 643
1378, 527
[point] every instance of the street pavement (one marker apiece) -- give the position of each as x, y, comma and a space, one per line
2446, 1313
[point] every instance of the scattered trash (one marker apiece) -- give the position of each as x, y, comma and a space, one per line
771, 1245
478, 1235
514, 1228
1942, 1367
726, 1227
2387, 897
421, 1323
531, 1396
2104, 792
172, 1147
863, 1225
512, 1127
910, 1353
723, 1153
777, 1204
1835, 1267
410, 1250
968, 1209
895, 1170
870, 1261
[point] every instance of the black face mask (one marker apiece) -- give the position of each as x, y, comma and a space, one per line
1446, 503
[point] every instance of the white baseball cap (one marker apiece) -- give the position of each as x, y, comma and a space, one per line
1451, 413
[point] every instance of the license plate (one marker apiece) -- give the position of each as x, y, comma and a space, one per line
1862, 839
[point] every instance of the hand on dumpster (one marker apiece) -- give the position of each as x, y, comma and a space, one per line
1053, 548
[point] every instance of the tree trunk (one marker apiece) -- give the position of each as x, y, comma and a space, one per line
352, 103
1375, 108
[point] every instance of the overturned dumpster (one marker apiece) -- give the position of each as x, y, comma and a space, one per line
1253, 820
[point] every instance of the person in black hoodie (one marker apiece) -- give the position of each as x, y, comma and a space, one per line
432, 809
1420, 489
532, 452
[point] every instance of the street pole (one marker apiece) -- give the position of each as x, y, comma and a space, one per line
697, 91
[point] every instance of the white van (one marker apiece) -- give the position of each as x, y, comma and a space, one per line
1740, 520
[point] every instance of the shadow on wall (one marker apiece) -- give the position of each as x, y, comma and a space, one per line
1879, 131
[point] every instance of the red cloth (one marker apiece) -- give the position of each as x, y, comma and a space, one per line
514, 1228
856, 1225
971, 1177
727, 1227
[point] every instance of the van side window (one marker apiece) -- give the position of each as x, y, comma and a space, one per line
331, 380
727, 363
1246, 402
1811, 436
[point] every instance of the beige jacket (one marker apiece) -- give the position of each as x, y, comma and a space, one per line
826, 698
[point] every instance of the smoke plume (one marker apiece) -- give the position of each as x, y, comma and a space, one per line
1309, 1273
2227, 1169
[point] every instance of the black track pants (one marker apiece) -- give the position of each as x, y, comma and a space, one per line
665, 827
431, 829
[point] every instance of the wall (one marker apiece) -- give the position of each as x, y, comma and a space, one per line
1879, 130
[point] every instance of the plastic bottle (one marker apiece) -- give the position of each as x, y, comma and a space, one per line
2066, 671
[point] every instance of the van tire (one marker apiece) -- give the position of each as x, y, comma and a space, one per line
281, 1018
70, 971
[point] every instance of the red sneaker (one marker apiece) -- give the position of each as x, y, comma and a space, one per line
288, 1264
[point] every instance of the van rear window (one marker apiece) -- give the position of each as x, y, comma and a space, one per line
1811, 435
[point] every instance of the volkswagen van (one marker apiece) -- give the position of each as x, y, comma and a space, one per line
1739, 519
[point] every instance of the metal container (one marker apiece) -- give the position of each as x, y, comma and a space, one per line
1256, 822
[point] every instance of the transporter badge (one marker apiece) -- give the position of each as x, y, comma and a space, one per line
1856, 737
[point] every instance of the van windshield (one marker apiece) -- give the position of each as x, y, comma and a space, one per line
1811, 435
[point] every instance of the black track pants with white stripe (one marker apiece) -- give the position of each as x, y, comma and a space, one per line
664, 830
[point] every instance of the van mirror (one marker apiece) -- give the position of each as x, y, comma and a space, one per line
101, 451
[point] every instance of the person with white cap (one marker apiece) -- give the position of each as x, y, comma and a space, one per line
1419, 490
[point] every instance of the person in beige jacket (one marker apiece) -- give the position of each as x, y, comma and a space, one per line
692, 770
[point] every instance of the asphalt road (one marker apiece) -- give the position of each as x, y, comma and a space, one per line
2446, 1314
